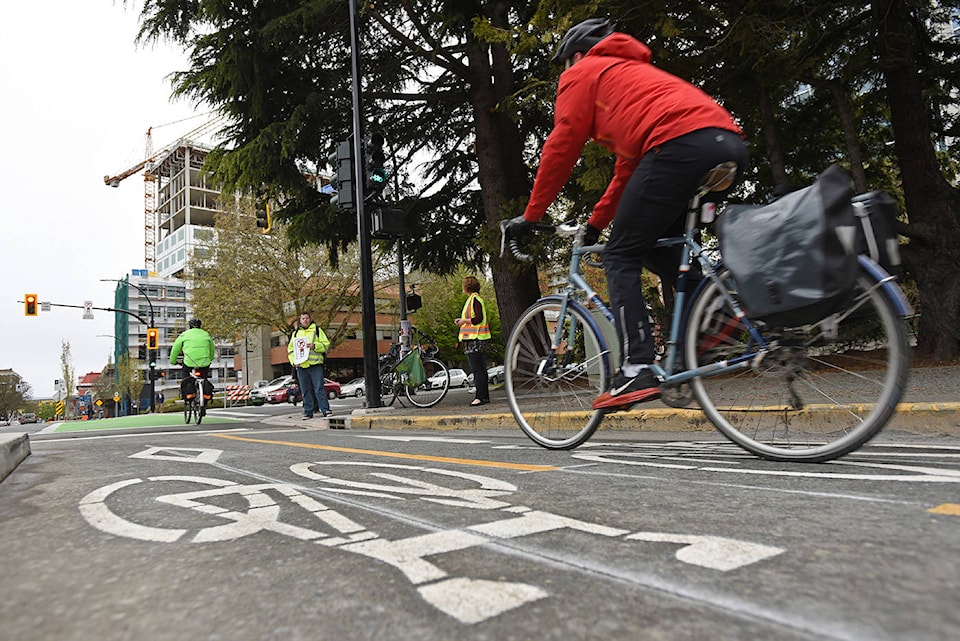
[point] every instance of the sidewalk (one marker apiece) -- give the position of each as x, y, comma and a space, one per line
931, 405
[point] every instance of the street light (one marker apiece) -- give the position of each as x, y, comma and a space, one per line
152, 357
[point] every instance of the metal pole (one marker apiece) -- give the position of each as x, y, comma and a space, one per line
367, 302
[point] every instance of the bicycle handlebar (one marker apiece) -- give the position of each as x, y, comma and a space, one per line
563, 230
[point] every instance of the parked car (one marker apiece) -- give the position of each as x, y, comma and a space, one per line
458, 378
288, 394
260, 395
494, 375
332, 388
357, 387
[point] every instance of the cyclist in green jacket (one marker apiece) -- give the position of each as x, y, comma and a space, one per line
198, 352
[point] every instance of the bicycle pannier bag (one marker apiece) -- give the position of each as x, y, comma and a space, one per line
793, 260
876, 214
412, 365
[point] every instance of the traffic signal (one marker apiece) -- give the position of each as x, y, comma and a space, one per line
263, 216
342, 179
143, 353
153, 339
375, 159
414, 302
30, 304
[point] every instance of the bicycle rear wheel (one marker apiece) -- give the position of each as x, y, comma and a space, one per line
550, 390
435, 389
188, 410
820, 392
388, 385
200, 407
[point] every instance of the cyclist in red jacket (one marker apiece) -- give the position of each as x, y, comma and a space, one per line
667, 134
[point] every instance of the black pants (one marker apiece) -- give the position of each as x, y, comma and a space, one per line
478, 365
653, 205
188, 384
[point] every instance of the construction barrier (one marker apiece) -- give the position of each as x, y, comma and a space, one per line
237, 393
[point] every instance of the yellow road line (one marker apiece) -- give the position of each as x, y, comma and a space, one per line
953, 509
418, 457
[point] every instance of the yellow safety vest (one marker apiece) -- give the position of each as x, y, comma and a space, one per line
470, 332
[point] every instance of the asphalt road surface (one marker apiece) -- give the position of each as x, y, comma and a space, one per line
270, 533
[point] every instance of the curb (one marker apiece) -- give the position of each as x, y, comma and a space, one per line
933, 419
14, 447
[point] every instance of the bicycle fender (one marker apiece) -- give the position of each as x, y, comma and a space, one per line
888, 284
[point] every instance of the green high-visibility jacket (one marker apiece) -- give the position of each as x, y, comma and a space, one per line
197, 347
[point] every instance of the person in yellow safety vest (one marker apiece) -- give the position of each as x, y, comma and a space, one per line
474, 330
305, 351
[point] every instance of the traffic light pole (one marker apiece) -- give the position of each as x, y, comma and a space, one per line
371, 372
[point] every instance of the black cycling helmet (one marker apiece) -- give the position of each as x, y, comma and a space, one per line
194, 322
579, 38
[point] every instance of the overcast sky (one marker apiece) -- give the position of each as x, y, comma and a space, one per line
77, 98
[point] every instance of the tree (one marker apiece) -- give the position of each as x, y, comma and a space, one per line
442, 78
13, 392
244, 280
933, 204
128, 380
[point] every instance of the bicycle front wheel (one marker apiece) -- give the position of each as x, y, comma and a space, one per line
434, 389
550, 389
821, 391
187, 411
388, 385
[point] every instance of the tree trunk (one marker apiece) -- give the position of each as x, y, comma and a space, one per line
851, 138
501, 170
768, 124
932, 256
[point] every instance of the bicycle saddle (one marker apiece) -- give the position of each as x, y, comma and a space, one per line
718, 178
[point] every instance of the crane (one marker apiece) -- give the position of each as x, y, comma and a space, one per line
148, 165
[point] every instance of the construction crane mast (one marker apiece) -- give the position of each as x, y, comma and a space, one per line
148, 165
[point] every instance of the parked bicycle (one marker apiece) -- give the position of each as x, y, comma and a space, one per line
419, 376
811, 393
195, 405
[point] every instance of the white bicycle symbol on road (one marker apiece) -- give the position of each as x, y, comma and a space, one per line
465, 599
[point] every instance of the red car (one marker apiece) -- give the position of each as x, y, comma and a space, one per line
291, 393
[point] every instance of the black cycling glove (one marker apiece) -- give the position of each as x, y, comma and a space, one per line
589, 235
518, 227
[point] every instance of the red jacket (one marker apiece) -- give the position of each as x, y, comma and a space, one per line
616, 97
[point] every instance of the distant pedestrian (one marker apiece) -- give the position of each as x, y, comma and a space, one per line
306, 350
474, 332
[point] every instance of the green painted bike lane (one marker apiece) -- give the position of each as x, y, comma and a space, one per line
143, 420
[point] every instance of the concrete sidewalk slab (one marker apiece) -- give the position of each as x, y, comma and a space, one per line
14, 447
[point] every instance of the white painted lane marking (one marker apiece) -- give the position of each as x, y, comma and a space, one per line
715, 552
908, 473
462, 598
478, 498
186, 454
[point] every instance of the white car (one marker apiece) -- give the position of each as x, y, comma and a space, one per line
357, 387
261, 395
494, 375
458, 378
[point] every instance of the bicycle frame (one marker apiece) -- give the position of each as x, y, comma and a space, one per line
576, 283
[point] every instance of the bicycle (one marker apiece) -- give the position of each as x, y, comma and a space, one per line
424, 390
195, 407
810, 393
